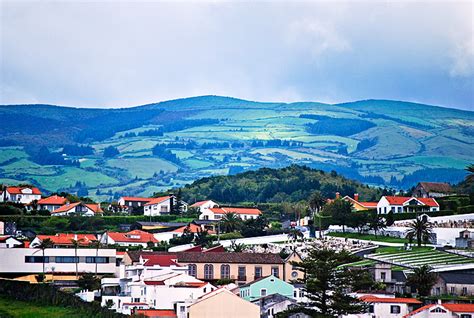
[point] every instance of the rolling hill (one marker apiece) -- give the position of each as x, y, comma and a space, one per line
172, 143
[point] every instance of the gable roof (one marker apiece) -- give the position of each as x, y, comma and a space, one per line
428, 201
229, 257
136, 236
18, 190
375, 299
53, 200
66, 238
200, 203
394, 200
158, 200
456, 308
224, 210
440, 187
457, 278
68, 206
193, 228
362, 203
255, 281
164, 260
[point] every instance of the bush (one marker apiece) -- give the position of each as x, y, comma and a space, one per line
231, 236
466, 209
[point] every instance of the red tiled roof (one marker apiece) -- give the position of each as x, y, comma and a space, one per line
138, 199
154, 282
215, 249
198, 204
165, 260
191, 284
414, 312
224, 210
4, 238
368, 204
229, 257
67, 207
158, 200
375, 299
397, 200
53, 200
66, 238
156, 312
429, 202
197, 248
17, 190
459, 308
193, 228
143, 237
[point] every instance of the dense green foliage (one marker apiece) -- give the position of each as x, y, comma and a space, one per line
336, 126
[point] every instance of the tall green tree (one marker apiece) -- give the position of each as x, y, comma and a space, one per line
316, 203
46, 243
376, 222
340, 211
421, 229
88, 281
230, 222
327, 284
422, 279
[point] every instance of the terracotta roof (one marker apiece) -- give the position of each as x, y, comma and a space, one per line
158, 200
67, 207
439, 187
414, 312
215, 249
396, 200
198, 204
154, 282
369, 204
459, 308
375, 299
66, 238
428, 201
228, 257
137, 199
53, 200
17, 190
4, 238
141, 237
135, 255
191, 284
193, 228
137, 304
224, 210
197, 248
165, 260
156, 313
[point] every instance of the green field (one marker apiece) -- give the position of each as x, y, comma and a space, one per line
10, 308
369, 237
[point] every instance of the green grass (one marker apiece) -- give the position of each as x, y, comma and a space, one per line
369, 237
141, 167
14, 308
8, 153
70, 175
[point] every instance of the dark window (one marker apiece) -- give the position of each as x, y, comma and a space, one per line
192, 270
371, 309
275, 271
36, 259
258, 271
394, 309
466, 316
208, 271
66, 259
98, 259
225, 271
242, 273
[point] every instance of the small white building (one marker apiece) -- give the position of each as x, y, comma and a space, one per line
204, 205
78, 208
218, 213
159, 206
132, 238
51, 203
383, 306
24, 195
7, 241
406, 204
440, 310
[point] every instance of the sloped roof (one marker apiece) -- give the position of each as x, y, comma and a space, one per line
229, 257
66, 238
156, 313
375, 299
136, 236
193, 228
224, 210
68, 206
456, 308
164, 260
393, 200
428, 201
199, 203
18, 190
53, 200
158, 200
439, 187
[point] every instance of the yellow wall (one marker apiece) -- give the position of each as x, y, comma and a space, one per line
224, 305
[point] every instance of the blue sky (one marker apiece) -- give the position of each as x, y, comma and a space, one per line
125, 53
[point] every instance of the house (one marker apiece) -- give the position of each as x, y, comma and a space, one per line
78, 208
241, 267
64, 239
441, 310
454, 283
223, 303
406, 204
133, 202
432, 190
264, 286
190, 228
385, 306
132, 238
465, 239
360, 205
272, 304
292, 273
157, 226
156, 313
218, 213
51, 203
395, 281
204, 205
159, 206
8, 241
24, 195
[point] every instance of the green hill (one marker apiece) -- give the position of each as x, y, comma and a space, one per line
173, 143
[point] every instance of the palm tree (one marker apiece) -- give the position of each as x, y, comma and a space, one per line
422, 279
295, 234
376, 223
470, 176
421, 229
46, 243
76, 244
316, 203
230, 222
96, 244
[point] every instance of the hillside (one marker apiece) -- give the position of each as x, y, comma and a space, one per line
173, 143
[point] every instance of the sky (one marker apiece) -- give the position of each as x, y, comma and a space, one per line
126, 53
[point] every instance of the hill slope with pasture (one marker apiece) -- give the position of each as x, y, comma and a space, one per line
173, 143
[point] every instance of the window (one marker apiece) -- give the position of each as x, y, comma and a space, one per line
385, 210
394, 309
383, 276
208, 271
295, 293
466, 316
192, 270
441, 310
275, 271
258, 271
225, 271
371, 309
453, 290
36, 259
399, 209
242, 273
464, 291
98, 259
301, 293
263, 292
66, 259
294, 274
182, 308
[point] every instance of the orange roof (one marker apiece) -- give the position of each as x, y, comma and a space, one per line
53, 200
156, 312
132, 236
428, 201
414, 312
66, 238
375, 299
198, 204
137, 199
369, 204
68, 206
459, 307
397, 200
158, 200
165, 260
224, 210
193, 228
17, 190
192, 284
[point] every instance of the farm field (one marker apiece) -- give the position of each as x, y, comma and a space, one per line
10, 308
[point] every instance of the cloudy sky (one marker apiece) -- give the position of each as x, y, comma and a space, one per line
125, 53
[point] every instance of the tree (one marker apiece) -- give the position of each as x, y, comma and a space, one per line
96, 244
422, 279
89, 281
470, 176
340, 210
421, 229
236, 247
316, 203
294, 234
111, 152
230, 222
254, 227
376, 222
389, 220
46, 243
76, 244
359, 221
327, 284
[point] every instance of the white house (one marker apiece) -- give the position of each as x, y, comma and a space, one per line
218, 213
159, 206
79, 208
132, 238
7, 241
406, 204
24, 195
64, 239
51, 203
204, 205
383, 306
440, 310
191, 228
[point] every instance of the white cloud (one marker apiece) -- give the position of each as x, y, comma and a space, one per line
463, 59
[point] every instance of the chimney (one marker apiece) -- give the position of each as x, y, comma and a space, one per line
356, 197
338, 195
75, 237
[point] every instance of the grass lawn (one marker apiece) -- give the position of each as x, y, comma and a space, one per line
369, 237
14, 308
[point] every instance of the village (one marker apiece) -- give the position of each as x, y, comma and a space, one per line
136, 272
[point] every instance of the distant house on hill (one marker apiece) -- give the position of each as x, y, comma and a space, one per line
64, 239
128, 204
132, 238
79, 208
204, 205
406, 204
24, 195
360, 205
432, 190
51, 203
163, 205
218, 213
